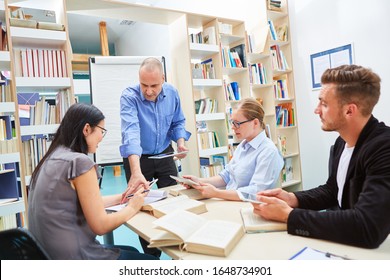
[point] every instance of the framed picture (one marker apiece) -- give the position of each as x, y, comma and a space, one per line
328, 59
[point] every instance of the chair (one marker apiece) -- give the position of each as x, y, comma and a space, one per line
20, 244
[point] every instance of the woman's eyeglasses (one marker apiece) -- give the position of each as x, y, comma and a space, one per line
237, 124
104, 131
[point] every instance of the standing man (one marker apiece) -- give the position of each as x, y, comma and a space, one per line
359, 183
151, 117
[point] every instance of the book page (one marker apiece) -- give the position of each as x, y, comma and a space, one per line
182, 204
255, 223
155, 195
180, 222
215, 233
164, 238
152, 197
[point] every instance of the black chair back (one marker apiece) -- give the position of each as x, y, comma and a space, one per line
20, 244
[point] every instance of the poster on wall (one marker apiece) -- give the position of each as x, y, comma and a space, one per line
328, 59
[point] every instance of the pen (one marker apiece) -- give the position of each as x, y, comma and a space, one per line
131, 195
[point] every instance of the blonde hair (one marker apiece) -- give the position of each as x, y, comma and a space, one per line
252, 109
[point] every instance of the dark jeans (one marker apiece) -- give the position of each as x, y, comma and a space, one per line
131, 253
158, 169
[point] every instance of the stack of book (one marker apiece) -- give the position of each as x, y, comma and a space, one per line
274, 5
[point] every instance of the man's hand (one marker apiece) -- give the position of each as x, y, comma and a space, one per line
181, 148
136, 182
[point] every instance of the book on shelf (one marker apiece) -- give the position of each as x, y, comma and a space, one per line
208, 69
274, 5
196, 234
255, 224
170, 204
197, 72
209, 36
27, 23
288, 171
272, 29
268, 131
281, 89
282, 144
50, 26
153, 196
38, 15
3, 37
282, 32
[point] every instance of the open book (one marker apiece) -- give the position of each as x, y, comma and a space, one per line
181, 190
153, 196
254, 223
196, 234
182, 202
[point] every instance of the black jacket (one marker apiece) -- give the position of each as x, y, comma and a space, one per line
363, 219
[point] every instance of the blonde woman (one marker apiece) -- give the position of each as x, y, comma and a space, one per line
256, 163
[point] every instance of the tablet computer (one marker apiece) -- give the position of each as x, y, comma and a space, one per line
160, 156
250, 197
185, 181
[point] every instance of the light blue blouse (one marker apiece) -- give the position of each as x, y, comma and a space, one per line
255, 166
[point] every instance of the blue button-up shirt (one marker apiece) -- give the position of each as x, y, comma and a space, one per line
255, 166
148, 127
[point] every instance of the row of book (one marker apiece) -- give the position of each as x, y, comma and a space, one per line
36, 110
232, 91
279, 61
281, 89
8, 221
279, 32
285, 115
5, 92
234, 57
34, 18
42, 63
206, 106
207, 171
203, 70
34, 149
207, 36
257, 74
208, 140
8, 146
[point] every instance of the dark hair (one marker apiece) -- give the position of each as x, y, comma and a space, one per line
355, 84
70, 132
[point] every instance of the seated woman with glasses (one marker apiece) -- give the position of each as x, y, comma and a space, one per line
65, 208
256, 163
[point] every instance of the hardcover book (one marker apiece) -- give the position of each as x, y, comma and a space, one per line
196, 234
255, 224
169, 205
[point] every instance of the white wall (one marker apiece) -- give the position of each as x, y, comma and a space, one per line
144, 39
318, 25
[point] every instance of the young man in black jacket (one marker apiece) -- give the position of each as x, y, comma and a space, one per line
359, 183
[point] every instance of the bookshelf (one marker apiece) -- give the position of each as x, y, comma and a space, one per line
40, 79
270, 57
12, 194
223, 35
188, 47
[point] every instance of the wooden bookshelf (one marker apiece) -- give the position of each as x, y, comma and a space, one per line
264, 55
41, 81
